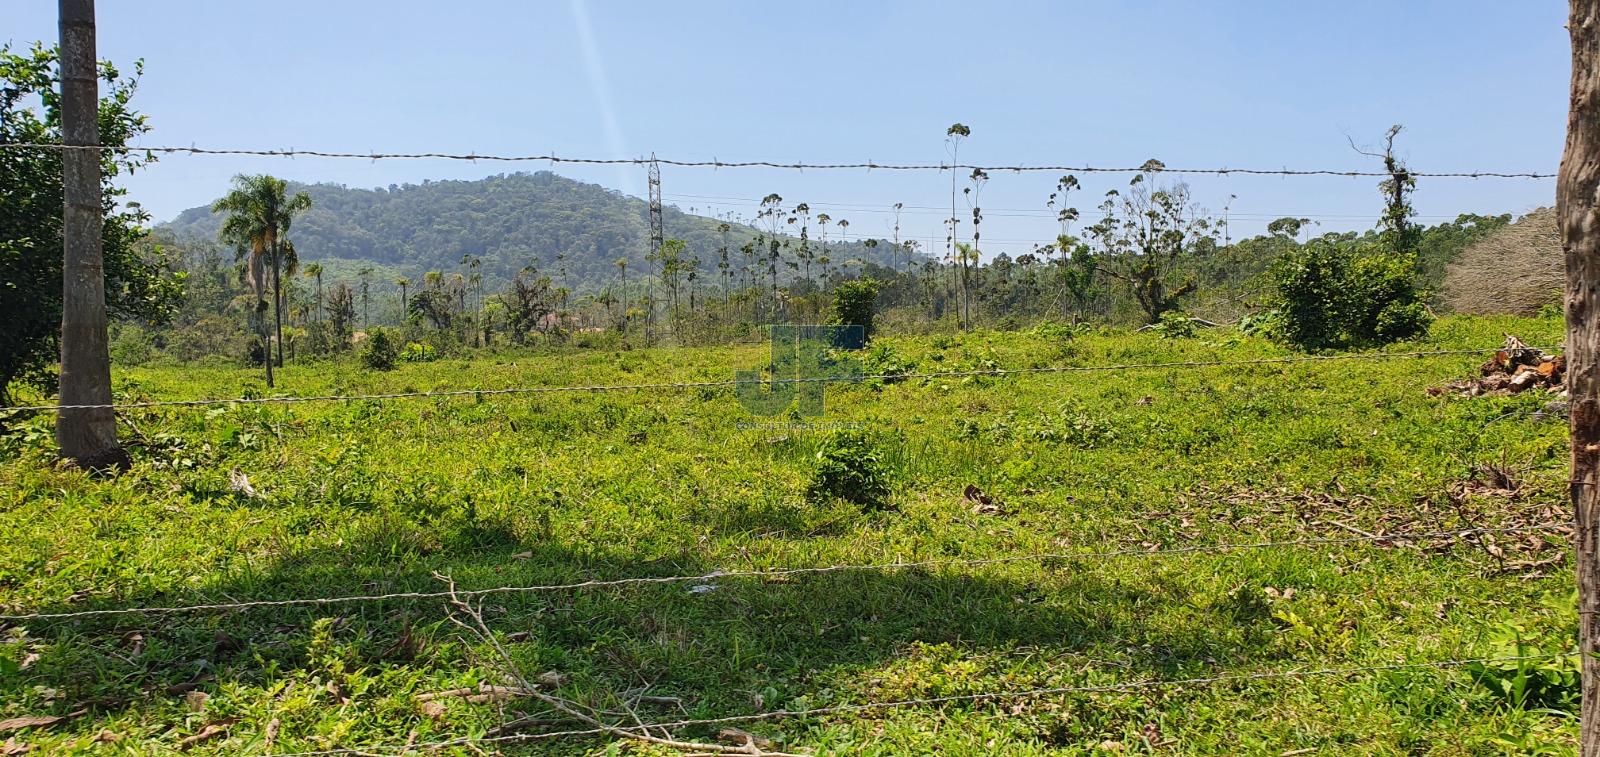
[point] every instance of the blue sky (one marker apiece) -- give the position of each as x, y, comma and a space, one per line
1478, 86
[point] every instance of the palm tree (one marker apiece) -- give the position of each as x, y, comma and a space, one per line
259, 214
314, 270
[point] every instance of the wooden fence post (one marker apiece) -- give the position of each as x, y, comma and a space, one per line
1578, 206
85, 435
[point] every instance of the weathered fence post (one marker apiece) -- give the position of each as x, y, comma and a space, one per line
1578, 206
86, 435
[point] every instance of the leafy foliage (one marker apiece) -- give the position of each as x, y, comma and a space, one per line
379, 352
1144, 239
850, 467
509, 221
855, 303
1333, 294
139, 283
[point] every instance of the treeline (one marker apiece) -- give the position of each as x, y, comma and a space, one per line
1152, 255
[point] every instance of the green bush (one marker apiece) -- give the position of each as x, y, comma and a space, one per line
379, 353
1175, 324
854, 303
1338, 294
850, 466
417, 352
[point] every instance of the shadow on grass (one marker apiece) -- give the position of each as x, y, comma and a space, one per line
724, 646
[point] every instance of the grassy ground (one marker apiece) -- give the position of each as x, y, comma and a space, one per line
373, 497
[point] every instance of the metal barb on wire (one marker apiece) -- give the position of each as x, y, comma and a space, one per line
778, 573
770, 164
683, 385
782, 714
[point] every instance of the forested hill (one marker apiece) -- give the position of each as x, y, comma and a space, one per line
509, 221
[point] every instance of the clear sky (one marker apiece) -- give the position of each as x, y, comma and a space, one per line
1478, 84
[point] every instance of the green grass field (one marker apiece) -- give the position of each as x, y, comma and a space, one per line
376, 497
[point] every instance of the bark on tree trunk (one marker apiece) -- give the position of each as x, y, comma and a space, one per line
88, 436
277, 304
1578, 207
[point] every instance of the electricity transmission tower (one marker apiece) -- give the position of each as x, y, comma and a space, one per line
657, 238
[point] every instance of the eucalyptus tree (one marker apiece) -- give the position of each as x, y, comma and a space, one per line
260, 211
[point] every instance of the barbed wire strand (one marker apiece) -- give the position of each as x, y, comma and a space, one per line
780, 573
799, 166
941, 700
755, 383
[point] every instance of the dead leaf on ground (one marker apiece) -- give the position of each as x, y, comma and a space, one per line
982, 504
742, 738
12, 746
240, 483
37, 721
433, 709
211, 731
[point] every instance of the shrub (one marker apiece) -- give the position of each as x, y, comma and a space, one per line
379, 352
1337, 294
417, 352
850, 467
854, 303
1175, 324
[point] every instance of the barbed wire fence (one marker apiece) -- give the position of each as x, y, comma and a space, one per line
727, 383
553, 159
639, 729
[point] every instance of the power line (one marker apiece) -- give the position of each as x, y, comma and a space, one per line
858, 207
939, 700
715, 163
779, 572
681, 385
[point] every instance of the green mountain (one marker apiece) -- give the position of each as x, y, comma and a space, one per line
510, 221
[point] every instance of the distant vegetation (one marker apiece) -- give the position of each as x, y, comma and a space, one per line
524, 259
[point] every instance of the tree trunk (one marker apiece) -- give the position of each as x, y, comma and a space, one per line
1578, 208
277, 305
86, 435
266, 339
